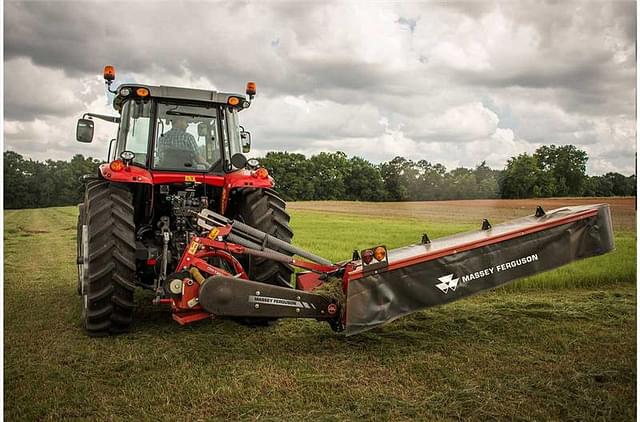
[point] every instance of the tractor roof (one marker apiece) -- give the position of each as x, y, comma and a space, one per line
177, 93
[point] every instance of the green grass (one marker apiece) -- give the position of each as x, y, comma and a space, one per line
336, 236
559, 346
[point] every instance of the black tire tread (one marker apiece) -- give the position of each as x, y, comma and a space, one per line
266, 211
110, 282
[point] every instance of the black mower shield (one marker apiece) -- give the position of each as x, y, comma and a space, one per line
458, 266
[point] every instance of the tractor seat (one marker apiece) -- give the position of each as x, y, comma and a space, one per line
176, 158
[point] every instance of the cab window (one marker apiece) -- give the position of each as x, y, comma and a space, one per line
134, 130
186, 138
233, 143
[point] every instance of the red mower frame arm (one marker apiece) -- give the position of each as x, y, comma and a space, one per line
200, 247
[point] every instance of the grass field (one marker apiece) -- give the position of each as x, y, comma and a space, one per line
559, 346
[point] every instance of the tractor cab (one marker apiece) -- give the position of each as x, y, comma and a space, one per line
175, 129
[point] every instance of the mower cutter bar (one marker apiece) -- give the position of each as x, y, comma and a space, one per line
454, 267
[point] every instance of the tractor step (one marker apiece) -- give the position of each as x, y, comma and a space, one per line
232, 296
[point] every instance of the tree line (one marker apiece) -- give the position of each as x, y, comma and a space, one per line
37, 184
333, 176
550, 171
559, 171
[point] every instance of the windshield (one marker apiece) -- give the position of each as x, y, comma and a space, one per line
134, 130
187, 138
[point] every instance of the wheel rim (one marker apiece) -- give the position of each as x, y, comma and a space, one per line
84, 267
85, 299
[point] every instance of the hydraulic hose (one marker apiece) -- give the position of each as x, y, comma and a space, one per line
251, 237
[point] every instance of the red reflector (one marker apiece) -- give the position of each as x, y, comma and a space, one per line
151, 261
367, 256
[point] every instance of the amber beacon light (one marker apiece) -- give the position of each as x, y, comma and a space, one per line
109, 73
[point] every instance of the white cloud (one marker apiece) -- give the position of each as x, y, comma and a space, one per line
458, 124
451, 83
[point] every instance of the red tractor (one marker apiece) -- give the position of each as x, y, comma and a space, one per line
177, 151
180, 211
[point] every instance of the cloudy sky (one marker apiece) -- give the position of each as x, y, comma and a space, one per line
455, 83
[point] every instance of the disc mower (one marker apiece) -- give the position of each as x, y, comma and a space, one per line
179, 210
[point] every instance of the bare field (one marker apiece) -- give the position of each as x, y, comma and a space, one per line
496, 210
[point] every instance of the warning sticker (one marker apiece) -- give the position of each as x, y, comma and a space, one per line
193, 248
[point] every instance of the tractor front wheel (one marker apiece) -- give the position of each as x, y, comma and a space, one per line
108, 252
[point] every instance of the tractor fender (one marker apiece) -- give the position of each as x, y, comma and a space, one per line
130, 174
242, 179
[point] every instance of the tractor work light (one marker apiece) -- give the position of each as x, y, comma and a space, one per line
127, 156
109, 73
142, 92
251, 88
116, 165
233, 101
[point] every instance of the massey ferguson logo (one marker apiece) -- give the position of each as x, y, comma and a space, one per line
447, 282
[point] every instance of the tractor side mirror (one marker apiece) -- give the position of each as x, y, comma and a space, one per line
84, 131
109, 152
245, 138
238, 160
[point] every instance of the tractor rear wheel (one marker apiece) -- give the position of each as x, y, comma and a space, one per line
79, 247
80, 227
108, 252
265, 210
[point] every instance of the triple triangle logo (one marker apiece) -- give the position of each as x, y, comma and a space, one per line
447, 282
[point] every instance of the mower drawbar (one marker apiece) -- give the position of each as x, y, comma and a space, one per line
377, 285
234, 297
